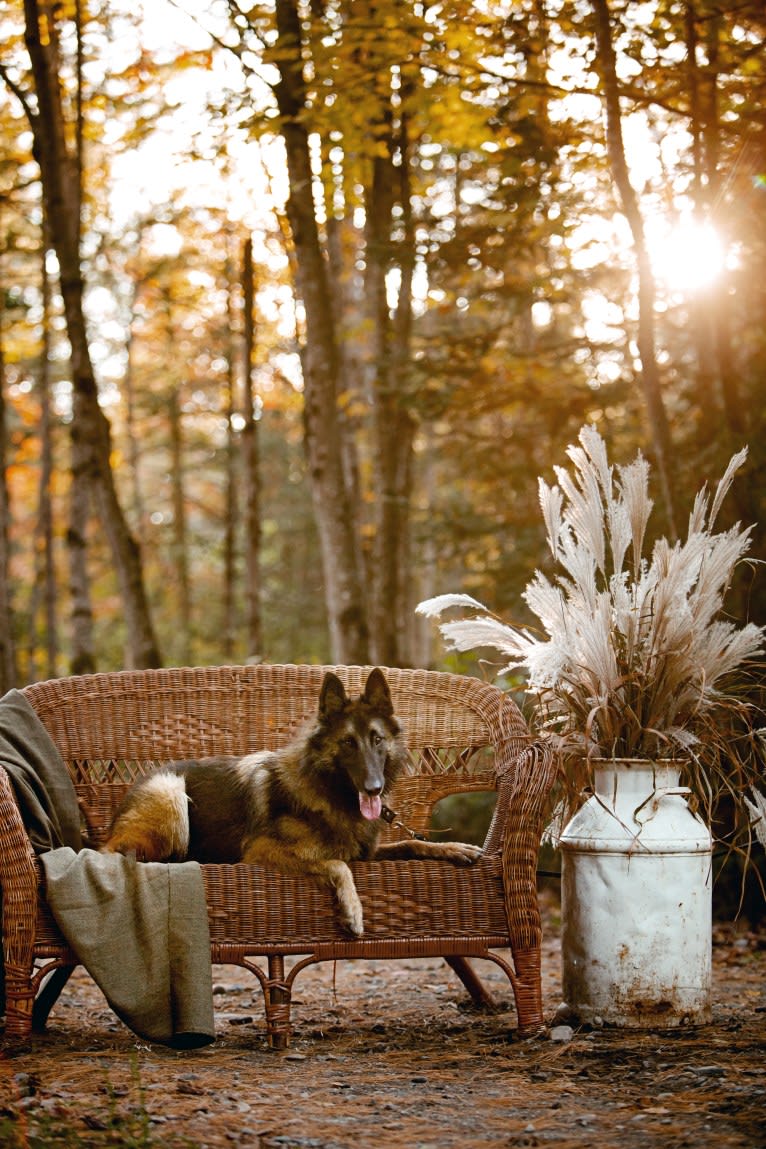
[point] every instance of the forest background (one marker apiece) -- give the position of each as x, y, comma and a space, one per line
297, 300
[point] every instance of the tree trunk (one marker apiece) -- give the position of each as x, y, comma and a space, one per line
8, 677
91, 436
720, 309
650, 375
700, 305
404, 427
136, 500
45, 574
718, 327
180, 545
83, 647
180, 535
352, 369
393, 428
333, 506
229, 623
82, 658
251, 461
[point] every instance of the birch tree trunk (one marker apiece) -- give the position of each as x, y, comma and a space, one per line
333, 508
90, 431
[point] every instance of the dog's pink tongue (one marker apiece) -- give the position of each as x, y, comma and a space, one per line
370, 805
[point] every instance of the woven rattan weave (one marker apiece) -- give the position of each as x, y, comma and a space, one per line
463, 735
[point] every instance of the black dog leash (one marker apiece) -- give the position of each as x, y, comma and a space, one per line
391, 816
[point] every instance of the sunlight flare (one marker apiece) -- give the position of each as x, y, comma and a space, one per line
688, 257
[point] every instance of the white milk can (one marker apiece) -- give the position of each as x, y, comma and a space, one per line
637, 901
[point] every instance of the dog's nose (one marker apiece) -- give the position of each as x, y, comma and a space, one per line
373, 791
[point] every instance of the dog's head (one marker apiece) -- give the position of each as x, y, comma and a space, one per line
365, 738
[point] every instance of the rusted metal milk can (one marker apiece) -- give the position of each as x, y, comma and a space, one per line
636, 902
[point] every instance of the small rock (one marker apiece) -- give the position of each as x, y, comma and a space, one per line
561, 1033
26, 1083
187, 1087
563, 1014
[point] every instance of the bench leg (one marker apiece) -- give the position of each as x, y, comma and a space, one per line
49, 995
19, 1001
528, 991
480, 996
277, 993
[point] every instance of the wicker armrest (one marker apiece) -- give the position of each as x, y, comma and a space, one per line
525, 772
524, 799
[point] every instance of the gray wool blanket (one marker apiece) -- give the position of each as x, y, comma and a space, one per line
140, 929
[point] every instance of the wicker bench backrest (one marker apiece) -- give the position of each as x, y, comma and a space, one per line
111, 728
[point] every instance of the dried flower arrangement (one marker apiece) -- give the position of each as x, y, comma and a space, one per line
633, 658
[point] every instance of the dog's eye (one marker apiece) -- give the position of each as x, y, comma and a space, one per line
375, 738
349, 742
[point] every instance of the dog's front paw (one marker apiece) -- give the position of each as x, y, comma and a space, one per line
341, 879
463, 854
351, 916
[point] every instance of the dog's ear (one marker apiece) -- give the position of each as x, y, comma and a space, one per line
332, 697
377, 694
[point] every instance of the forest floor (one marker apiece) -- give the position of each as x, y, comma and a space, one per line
388, 1054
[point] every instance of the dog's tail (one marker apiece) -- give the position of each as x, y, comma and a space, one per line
153, 821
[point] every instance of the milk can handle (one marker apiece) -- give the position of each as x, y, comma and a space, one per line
657, 795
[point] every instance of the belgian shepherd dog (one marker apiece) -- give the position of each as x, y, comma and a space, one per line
309, 808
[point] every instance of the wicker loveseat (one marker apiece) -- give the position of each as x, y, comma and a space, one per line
463, 735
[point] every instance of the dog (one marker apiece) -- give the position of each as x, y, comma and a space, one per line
310, 808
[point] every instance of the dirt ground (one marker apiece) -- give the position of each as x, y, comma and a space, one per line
388, 1054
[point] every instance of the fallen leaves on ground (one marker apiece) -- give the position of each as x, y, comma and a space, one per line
389, 1053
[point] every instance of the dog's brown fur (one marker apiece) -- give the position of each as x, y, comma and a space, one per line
307, 809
